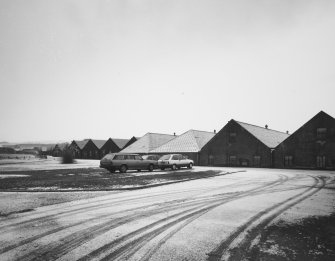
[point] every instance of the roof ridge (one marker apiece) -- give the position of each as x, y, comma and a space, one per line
202, 131
196, 141
260, 127
158, 133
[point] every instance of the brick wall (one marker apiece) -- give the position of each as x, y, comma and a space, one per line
234, 141
308, 147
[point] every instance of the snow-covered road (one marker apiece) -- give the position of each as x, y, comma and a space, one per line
217, 218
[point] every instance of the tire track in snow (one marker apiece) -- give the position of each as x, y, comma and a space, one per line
125, 251
49, 215
78, 238
239, 244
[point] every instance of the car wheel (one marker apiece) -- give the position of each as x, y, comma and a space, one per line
174, 167
151, 167
123, 169
190, 165
162, 168
138, 170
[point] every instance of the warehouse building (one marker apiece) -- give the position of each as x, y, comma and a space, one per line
312, 146
242, 144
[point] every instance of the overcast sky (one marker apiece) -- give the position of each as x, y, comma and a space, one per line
122, 68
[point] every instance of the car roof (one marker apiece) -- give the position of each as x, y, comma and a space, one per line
134, 154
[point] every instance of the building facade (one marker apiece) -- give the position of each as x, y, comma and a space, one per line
76, 147
106, 146
240, 144
312, 146
90, 151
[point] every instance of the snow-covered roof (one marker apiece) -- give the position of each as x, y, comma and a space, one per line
271, 138
148, 142
120, 142
81, 143
190, 141
99, 143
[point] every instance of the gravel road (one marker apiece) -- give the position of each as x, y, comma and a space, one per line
218, 218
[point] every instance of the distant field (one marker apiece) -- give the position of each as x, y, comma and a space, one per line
16, 156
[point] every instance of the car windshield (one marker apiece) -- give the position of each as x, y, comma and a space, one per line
165, 157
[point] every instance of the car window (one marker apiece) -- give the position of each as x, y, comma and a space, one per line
185, 157
175, 157
138, 157
119, 157
165, 157
130, 157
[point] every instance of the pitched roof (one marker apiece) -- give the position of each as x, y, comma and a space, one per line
99, 143
120, 142
148, 142
190, 141
81, 143
271, 138
319, 115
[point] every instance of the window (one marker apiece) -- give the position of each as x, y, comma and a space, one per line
288, 161
321, 133
175, 157
257, 161
138, 157
321, 162
232, 160
244, 162
210, 160
165, 157
130, 157
119, 157
232, 137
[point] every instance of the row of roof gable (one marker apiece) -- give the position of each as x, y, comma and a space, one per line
195, 140
120, 143
190, 141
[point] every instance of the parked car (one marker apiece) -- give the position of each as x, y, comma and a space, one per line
174, 161
124, 162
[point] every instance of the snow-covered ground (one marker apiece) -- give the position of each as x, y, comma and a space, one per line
219, 218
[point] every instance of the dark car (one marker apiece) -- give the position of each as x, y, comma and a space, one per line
125, 161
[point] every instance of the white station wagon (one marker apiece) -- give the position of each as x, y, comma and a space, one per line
174, 161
